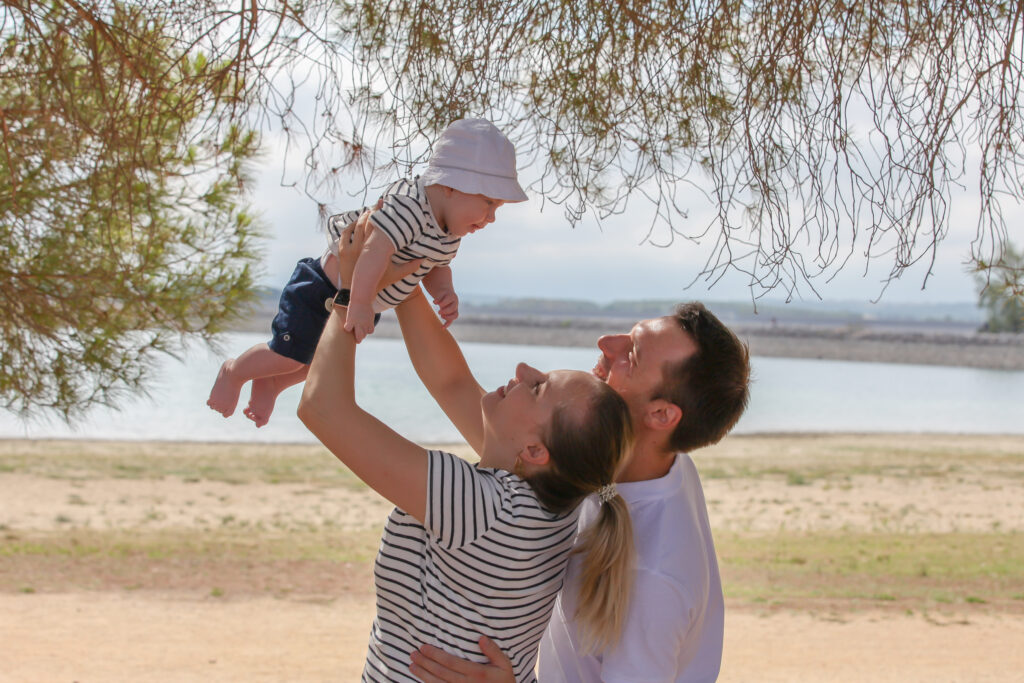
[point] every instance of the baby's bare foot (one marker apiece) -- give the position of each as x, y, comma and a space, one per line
261, 400
224, 395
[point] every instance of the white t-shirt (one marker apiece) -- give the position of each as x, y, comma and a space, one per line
408, 221
675, 624
489, 560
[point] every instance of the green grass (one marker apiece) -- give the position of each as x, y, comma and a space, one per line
227, 463
807, 458
796, 459
902, 571
213, 563
312, 545
908, 569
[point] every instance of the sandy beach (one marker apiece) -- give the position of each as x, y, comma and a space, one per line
844, 558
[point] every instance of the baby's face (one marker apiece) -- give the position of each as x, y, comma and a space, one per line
467, 213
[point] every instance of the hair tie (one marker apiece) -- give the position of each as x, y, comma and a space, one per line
607, 492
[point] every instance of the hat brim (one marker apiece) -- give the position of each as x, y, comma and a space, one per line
472, 182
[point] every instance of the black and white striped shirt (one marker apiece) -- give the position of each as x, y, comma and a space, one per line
489, 561
406, 218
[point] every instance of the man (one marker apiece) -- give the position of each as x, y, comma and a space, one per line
685, 378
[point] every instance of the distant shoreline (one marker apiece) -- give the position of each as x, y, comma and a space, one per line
850, 342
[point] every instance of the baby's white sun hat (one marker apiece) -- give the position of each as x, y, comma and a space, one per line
474, 157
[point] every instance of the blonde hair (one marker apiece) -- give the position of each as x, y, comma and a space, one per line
586, 452
606, 580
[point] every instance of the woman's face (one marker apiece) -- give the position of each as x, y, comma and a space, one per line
518, 413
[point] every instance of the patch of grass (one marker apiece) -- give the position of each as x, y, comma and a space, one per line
837, 457
223, 543
912, 570
191, 462
235, 562
796, 479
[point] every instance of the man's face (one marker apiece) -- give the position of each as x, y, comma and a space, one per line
632, 363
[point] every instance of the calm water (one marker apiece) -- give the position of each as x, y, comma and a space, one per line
787, 396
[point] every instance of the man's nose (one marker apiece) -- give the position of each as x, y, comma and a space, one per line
612, 345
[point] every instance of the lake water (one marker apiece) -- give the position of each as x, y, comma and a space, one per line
788, 395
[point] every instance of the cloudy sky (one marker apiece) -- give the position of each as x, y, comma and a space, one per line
531, 251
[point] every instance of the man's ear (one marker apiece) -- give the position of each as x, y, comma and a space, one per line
535, 454
662, 415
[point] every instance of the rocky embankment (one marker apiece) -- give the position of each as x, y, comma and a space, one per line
854, 343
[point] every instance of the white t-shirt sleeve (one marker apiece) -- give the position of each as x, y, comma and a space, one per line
462, 502
655, 631
401, 219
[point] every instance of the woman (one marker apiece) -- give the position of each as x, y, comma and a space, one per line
479, 550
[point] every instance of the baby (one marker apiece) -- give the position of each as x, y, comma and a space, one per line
471, 173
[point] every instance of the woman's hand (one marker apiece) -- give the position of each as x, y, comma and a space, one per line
350, 244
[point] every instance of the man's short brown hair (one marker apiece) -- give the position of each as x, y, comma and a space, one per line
711, 386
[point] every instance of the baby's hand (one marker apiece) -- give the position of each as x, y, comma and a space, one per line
359, 320
447, 306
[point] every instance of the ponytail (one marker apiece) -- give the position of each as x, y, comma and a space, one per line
606, 579
586, 453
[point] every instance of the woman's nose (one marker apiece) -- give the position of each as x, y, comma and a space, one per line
524, 372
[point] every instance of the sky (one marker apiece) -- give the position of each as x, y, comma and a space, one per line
532, 251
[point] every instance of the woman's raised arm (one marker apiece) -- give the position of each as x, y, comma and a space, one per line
433, 351
442, 368
391, 465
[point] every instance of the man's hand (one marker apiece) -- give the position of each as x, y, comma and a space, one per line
432, 665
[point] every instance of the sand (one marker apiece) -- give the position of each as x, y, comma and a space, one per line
110, 637
120, 617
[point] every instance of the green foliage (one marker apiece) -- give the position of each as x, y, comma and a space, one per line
1001, 291
813, 132
122, 227
817, 133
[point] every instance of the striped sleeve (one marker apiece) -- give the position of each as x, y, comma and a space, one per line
401, 219
340, 221
462, 502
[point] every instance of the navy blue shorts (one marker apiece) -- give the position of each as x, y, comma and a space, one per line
303, 312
